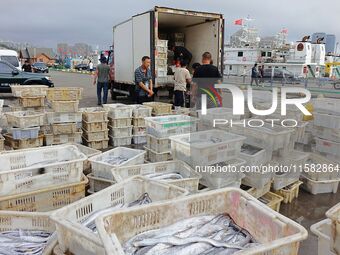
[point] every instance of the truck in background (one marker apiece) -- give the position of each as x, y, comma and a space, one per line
148, 34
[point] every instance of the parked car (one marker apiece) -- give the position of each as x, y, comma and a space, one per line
40, 67
279, 75
80, 67
11, 56
10, 75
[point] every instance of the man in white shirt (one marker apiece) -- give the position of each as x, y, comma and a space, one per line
91, 66
182, 78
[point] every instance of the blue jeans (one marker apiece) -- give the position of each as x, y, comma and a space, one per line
102, 86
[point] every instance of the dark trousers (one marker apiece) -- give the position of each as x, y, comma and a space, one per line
179, 98
143, 99
105, 87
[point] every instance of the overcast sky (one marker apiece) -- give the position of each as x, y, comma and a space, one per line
45, 23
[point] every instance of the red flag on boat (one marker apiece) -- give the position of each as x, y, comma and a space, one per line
238, 22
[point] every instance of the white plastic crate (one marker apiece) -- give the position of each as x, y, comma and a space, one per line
259, 192
120, 141
94, 114
79, 240
292, 112
254, 156
153, 156
25, 133
158, 144
23, 143
267, 137
45, 199
159, 108
51, 139
28, 90
328, 147
25, 119
331, 134
140, 111
21, 170
327, 120
319, 187
88, 152
98, 184
217, 113
322, 230
244, 209
125, 122
98, 145
320, 168
32, 101
139, 139
216, 179
29, 221
206, 147
165, 126
161, 62
327, 105
162, 43
16, 108
64, 94
291, 172
161, 51
65, 106
95, 126
65, 128
334, 215
120, 131
55, 117
96, 136
101, 168
138, 122
139, 130
190, 177
118, 111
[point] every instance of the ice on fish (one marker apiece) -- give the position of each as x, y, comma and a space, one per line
114, 160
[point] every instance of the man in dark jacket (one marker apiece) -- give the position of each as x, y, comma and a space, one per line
182, 55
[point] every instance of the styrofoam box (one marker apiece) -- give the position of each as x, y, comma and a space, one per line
198, 149
139, 139
327, 146
326, 120
140, 111
29, 221
327, 105
190, 177
102, 169
331, 134
25, 133
334, 215
116, 228
94, 114
291, 173
65, 117
322, 168
51, 139
268, 137
322, 230
319, 187
25, 119
153, 156
120, 131
217, 180
21, 170
118, 111
165, 126
158, 144
120, 141
79, 240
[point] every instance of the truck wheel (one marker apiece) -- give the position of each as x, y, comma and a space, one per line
337, 85
113, 95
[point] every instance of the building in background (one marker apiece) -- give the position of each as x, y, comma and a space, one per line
46, 55
78, 50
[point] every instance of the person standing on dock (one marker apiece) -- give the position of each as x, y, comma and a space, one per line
102, 78
143, 80
254, 76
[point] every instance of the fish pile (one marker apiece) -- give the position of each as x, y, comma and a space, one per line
90, 221
114, 160
201, 235
164, 176
23, 242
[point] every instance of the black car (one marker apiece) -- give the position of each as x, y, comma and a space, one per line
279, 75
80, 67
40, 67
10, 75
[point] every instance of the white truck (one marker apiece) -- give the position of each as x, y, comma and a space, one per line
141, 34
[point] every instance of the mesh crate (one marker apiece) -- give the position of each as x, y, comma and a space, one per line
258, 192
139, 139
120, 141
138, 122
67, 128
76, 238
323, 230
65, 106
319, 187
46, 199
98, 184
98, 145
272, 200
120, 131
95, 126
290, 192
334, 215
139, 131
67, 117
118, 111
94, 114
88, 152
64, 94
29, 90
96, 136
245, 211
24, 143
319, 168
51, 139
153, 156
140, 111
25, 119
32, 101
25, 133
125, 122
158, 144
159, 108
